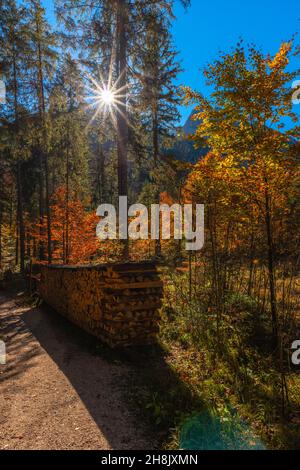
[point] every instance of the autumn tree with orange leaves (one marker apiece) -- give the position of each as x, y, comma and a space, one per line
73, 230
250, 180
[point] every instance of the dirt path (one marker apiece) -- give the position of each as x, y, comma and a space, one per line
55, 393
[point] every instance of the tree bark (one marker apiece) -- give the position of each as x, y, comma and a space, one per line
41, 97
271, 268
20, 218
67, 215
41, 205
1, 240
155, 143
122, 124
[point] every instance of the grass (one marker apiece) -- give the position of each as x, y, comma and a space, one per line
231, 374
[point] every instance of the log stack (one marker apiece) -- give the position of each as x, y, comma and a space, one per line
118, 303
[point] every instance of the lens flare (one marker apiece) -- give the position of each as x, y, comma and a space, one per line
107, 97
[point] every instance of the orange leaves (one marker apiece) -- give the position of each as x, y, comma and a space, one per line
281, 59
73, 230
165, 198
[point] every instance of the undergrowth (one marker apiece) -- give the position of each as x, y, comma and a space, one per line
224, 367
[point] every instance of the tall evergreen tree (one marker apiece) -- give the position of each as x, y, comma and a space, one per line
115, 30
42, 45
156, 69
68, 140
13, 45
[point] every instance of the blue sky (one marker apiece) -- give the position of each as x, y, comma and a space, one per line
212, 26
209, 27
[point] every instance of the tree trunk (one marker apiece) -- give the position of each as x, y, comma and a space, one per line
66, 260
19, 181
271, 268
1, 240
41, 205
155, 144
155, 141
41, 97
100, 174
21, 218
122, 125
17, 238
251, 262
48, 212
215, 264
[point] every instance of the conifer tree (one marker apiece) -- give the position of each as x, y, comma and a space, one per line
42, 44
13, 43
68, 140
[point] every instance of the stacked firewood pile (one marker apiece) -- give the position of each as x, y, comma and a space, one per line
118, 303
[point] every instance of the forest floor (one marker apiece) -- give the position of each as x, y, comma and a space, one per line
56, 392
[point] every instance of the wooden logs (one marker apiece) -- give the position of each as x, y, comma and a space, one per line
118, 303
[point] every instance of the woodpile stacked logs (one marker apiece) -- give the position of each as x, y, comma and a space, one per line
118, 303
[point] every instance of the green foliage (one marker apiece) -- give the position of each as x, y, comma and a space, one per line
227, 369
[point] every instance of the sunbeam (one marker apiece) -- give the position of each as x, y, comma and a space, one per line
105, 98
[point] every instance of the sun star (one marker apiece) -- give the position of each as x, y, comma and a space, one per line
107, 96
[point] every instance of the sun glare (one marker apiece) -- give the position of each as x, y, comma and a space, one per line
107, 96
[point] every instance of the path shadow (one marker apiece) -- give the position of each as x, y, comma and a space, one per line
114, 385
21, 349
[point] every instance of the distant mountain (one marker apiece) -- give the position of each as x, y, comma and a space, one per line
183, 148
191, 125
